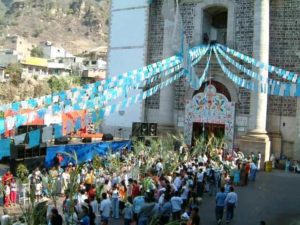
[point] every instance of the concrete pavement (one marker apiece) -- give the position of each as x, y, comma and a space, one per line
273, 197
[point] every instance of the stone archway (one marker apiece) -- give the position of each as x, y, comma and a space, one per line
210, 107
220, 88
233, 90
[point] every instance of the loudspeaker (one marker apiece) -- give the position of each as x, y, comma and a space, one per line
136, 129
107, 137
144, 129
152, 129
61, 141
87, 140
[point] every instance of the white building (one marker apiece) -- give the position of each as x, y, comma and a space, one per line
52, 52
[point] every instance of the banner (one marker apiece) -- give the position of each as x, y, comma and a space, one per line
4, 148
84, 152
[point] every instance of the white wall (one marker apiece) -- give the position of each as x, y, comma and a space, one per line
127, 51
51, 52
288, 128
288, 131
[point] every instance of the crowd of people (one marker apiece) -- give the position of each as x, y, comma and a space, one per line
152, 197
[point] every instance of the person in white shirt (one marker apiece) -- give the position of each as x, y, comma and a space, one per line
185, 193
177, 181
95, 206
230, 202
176, 203
115, 201
253, 170
5, 218
38, 190
105, 207
159, 167
258, 160
65, 180
6, 195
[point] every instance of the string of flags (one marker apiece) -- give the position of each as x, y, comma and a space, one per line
285, 74
197, 82
267, 85
242, 68
108, 110
239, 81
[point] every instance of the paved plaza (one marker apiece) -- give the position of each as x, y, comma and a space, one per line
274, 197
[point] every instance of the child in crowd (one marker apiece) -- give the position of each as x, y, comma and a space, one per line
13, 192
128, 213
6, 195
38, 190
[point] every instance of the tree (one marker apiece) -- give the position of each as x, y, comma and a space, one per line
57, 85
15, 73
37, 52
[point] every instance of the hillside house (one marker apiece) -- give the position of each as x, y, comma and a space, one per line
52, 52
42, 68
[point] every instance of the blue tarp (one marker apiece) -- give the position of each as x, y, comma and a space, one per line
84, 152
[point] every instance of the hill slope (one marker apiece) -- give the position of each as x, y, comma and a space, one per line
76, 25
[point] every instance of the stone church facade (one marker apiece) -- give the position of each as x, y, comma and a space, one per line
261, 123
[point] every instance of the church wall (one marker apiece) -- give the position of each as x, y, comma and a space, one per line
286, 126
155, 46
297, 143
284, 52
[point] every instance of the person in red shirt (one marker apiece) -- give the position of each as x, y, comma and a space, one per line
247, 169
92, 192
7, 178
135, 189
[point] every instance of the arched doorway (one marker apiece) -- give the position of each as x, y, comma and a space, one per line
209, 129
209, 112
220, 88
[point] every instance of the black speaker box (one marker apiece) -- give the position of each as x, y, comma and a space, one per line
107, 137
152, 129
87, 140
61, 141
144, 129
136, 129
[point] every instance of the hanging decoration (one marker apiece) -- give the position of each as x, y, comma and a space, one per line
272, 87
196, 82
139, 97
288, 75
248, 84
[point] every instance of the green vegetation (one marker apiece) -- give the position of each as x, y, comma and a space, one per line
37, 52
22, 173
57, 84
15, 73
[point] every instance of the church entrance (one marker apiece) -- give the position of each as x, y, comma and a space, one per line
208, 129
209, 113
